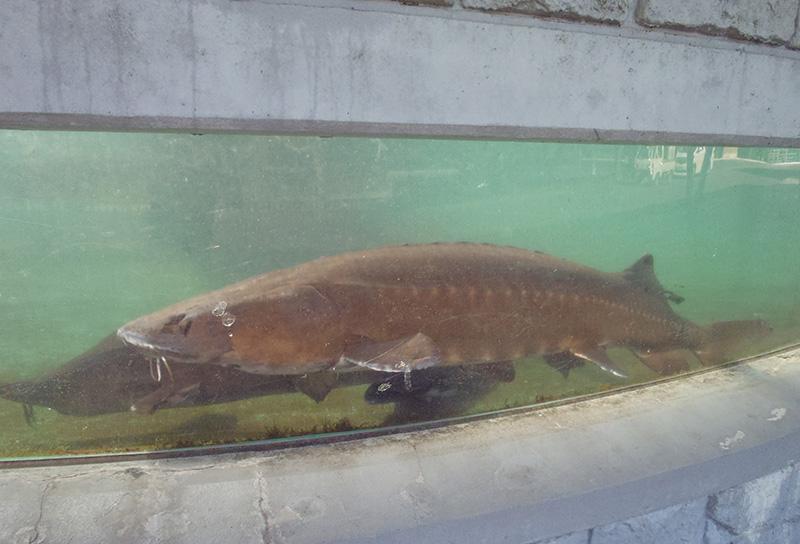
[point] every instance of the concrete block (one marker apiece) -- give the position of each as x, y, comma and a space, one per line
770, 22
759, 504
597, 11
680, 523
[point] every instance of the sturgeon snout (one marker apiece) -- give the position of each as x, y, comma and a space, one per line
196, 337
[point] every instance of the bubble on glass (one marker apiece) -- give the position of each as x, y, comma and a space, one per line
219, 309
228, 320
384, 386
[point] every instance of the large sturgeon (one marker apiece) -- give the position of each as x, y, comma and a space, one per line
404, 308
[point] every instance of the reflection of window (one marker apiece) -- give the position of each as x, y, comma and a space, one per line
102, 228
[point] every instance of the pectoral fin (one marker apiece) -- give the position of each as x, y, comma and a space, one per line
316, 385
564, 362
598, 356
665, 363
28, 414
410, 353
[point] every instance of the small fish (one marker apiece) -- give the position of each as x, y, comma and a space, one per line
407, 308
437, 393
442, 384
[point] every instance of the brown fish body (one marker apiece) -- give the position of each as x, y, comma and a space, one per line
409, 307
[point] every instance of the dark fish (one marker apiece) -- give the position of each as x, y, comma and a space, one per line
114, 377
436, 393
412, 307
105, 379
440, 384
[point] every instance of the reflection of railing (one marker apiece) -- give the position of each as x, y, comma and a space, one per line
658, 163
698, 159
655, 162
775, 155
783, 155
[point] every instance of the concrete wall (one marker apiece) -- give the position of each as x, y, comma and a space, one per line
566, 69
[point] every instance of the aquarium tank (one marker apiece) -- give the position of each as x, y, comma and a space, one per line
401, 282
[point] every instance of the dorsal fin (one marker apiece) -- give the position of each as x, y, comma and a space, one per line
642, 274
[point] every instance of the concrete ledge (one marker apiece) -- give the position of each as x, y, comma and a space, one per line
518, 478
55, 121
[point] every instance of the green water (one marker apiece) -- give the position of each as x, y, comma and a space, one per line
100, 228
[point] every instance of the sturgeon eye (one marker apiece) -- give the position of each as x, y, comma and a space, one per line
175, 323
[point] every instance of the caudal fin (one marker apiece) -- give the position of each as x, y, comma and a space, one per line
724, 338
667, 362
18, 391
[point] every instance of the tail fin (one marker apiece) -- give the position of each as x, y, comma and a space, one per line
13, 391
17, 392
724, 338
26, 391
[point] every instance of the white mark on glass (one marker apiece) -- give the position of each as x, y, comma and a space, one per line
219, 309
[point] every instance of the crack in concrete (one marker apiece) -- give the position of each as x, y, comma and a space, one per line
114, 505
710, 506
794, 41
34, 538
263, 505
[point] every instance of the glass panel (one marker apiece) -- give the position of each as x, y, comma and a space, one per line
102, 229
